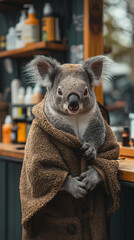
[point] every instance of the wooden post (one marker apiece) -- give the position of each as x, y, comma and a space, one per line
93, 34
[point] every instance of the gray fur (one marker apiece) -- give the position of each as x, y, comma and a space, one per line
86, 123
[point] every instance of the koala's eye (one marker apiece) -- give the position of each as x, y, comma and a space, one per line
59, 91
85, 92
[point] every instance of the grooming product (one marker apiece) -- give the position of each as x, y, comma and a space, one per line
126, 137
15, 85
37, 94
10, 39
6, 129
21, 95
19, 30
50, 24
31, 27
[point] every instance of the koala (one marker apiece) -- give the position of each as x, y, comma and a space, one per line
71, 106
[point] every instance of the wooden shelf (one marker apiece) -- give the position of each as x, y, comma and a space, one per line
33, 49
4, 5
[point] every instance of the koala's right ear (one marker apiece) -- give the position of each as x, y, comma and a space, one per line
43, 70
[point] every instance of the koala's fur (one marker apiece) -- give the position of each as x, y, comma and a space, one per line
86, 122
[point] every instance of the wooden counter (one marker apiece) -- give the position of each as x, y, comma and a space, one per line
126, 166
12, 150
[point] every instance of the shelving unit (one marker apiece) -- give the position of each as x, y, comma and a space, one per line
34, 48
4, 5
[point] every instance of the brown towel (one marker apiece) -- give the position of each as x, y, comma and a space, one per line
50, 155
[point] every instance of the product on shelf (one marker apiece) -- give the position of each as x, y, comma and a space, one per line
37, 95
6, 129
31, 27
28, 99
10, 39
21, 96
50, 25
19, 30
15, 85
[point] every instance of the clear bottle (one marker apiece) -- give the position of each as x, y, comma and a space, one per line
6, 129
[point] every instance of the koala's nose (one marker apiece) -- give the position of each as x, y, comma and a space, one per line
73, 102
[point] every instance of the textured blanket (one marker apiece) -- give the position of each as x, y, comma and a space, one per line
50, 155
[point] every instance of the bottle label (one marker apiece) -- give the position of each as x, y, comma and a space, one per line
48, 29
31, 33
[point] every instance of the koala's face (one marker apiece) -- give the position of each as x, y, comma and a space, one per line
70, 88
72, 92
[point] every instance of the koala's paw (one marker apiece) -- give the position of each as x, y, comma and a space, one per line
75, 186
91, 178
89, 151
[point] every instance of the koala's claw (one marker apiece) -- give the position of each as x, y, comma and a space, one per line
91, 178
75, 186
89, 151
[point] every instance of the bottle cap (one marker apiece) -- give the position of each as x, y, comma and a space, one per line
47, 9
8, 119
31, 9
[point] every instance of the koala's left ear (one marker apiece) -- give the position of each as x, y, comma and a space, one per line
99, 67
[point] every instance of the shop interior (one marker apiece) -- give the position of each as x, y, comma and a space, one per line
83, 29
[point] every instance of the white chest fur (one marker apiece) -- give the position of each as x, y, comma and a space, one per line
78, 123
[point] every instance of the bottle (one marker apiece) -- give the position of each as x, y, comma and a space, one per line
31, 27
28, 99
14, 133
131, 117
10, 39
37, 94
21, 95
6, 129
15, 85
19, 30
21, 129
126, 137
50, 25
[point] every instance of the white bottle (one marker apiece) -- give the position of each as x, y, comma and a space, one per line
21, 95
31, 27
19, 30
28, 99
37, 94
10, 39
15, 85
28, 95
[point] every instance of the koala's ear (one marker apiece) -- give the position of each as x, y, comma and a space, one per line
43, 70
99, 67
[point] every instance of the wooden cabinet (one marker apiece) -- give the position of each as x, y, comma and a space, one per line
10, 207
